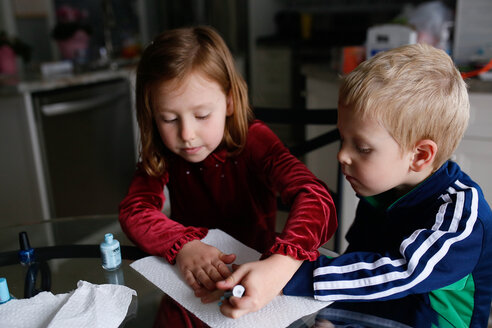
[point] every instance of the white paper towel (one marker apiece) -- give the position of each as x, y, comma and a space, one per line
87, 306
281, 312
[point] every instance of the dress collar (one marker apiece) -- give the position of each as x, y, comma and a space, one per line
219, 155
216, 158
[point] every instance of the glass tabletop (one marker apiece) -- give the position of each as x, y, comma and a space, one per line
69, 248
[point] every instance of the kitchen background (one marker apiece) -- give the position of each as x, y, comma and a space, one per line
67, 128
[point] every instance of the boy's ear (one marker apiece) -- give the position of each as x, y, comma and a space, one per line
230, 105
424, 153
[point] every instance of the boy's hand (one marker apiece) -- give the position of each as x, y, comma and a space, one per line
203, 265
263, 280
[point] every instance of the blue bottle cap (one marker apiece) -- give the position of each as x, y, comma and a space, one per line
4, 291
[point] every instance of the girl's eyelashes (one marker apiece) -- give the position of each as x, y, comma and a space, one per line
202, 117
169, 120
175, 119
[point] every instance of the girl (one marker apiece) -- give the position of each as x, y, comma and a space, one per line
223, 170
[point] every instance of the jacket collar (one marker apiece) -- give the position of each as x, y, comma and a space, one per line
437, 183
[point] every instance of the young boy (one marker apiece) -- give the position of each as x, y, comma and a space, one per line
422, 233
423, 230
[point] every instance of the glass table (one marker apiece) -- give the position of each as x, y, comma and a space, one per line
67, 251
69, 248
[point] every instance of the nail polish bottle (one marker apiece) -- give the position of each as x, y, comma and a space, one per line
4, 291
26, 253
110, 253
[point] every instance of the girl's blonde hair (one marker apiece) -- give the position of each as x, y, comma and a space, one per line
172, 57
416, 93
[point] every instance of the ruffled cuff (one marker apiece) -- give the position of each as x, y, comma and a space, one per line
292, 251
171, 254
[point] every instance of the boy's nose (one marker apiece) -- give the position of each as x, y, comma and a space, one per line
343, 156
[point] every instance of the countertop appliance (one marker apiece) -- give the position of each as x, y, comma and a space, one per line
388, 36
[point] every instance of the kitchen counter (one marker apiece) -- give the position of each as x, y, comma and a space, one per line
479, 86
13, 85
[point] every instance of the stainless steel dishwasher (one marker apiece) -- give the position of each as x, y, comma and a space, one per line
86, 137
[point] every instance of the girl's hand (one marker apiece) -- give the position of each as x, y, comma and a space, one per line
207, 296
263, 280
203, 265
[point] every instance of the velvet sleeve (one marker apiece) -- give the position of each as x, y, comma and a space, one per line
312, 217
142, 220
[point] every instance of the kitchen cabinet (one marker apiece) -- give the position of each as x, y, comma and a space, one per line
19, 197
322, 93
474, 154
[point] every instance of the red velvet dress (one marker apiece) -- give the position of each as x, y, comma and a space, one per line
235, 194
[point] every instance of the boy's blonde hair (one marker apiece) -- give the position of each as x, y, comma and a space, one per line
415, 92
172, 57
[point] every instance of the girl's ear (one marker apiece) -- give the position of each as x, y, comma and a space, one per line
230, 105
424, 154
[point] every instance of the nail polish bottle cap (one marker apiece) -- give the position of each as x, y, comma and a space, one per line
24, 241
108, 238
4, 291
238, 291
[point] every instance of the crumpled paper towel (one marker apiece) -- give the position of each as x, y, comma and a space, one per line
281, 312
87, 306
